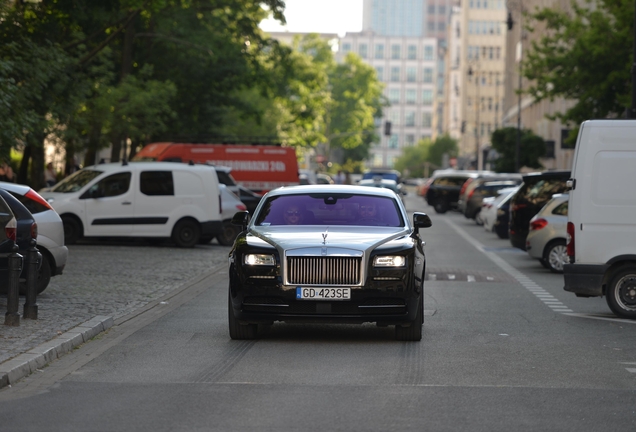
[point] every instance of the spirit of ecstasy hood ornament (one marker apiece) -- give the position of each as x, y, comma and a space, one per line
324, 236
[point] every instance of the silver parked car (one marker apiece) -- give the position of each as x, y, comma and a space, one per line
547, 237
50, 239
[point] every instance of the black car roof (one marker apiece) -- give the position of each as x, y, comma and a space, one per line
547, 175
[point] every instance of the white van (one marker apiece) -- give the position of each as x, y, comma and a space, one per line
139, 199
602, 215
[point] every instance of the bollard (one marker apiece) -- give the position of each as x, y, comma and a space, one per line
33, 260
12, 317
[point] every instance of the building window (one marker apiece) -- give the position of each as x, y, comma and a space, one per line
431, 9
394, 117
427, 75
411, 96
411, 74
379, 51
441, 26
427, 119
427, 97
363, 51
412, 52
428, 52
379, 71
409, 140
409, 118
395, 74
393, 141
394, 96
395, 52
346, 47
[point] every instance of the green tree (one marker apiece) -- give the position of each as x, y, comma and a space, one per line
414, 160
443, 145
584, 56
504, 142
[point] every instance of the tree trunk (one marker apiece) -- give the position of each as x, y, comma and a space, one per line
36, 172
23, 170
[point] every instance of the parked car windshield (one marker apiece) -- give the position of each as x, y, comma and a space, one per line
76, 181
331, 210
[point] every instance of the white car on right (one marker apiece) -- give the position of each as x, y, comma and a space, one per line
546, 239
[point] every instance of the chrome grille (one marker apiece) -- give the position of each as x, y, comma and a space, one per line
323, 270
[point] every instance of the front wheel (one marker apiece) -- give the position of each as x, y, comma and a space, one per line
239, 331
186, 233
72, 230
413, 332
441, 206
621, 292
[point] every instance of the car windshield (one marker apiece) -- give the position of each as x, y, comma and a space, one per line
331, 210
76, 181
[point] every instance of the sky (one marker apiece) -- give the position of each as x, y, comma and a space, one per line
319, 16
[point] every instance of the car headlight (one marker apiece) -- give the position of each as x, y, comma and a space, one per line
389, 261
260, 259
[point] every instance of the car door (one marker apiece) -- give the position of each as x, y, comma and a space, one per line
108, 205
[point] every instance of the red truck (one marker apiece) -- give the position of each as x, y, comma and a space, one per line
256, 167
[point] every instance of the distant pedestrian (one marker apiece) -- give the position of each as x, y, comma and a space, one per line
340, 177
49, 175
6, 172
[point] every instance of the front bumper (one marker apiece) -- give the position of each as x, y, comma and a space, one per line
584, 280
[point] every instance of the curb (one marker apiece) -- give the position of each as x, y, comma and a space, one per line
25, 364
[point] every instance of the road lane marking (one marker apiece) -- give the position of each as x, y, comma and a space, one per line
546, 298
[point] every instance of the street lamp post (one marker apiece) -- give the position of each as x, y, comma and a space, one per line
514, 5
472, 73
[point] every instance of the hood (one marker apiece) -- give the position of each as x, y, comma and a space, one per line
337, 239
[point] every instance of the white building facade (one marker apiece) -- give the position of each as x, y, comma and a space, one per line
407, 66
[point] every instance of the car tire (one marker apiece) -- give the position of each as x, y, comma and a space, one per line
239, 331
477, 217
186, 233
228, 234
43, 276
544, 263
205, 239
621, 292
501, 233
72, 230
413, 332
441, 206
555, 255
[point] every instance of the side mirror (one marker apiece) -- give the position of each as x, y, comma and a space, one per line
241, 219
421, 220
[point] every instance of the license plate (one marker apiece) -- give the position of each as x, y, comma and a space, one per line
323, 293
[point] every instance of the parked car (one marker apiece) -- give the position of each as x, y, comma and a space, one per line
230, 204
384, 183
337, 253
548, 232
8, 233
247, 197
324, 179
385, 173
481, 188
443, 189
473, 182
537, 189
502, 223
490, 214
139, 199
50, 237
27, 230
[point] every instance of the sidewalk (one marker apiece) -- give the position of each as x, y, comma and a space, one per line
101, 283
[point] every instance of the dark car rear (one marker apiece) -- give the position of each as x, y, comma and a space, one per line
482, 188
537, 189
443, 191
7, 236
26, 230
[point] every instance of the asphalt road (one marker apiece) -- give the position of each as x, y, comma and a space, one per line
504, 348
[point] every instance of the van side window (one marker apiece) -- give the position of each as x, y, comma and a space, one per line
114, 185
156, 183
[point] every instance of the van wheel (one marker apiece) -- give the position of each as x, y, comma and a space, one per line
228, 234
621, 292
186, 233
72, 230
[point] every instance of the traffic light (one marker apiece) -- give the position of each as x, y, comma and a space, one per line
463, 127
509, 21
387, 128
